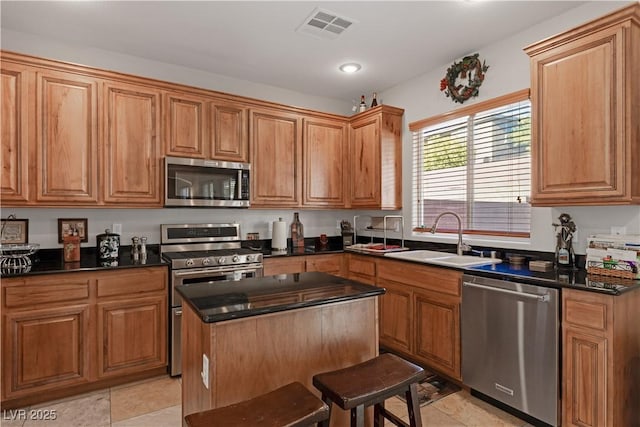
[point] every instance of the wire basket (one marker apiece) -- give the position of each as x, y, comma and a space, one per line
15, 258
622, 269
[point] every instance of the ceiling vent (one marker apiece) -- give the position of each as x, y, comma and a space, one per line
325, 24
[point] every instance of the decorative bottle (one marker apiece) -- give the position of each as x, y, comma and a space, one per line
297, 232
363, 104
374, 101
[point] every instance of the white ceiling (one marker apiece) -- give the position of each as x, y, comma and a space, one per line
256, 40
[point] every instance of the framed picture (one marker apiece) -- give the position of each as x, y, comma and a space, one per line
15, 231
67, 225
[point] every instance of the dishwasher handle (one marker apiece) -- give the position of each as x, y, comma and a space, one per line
541, 298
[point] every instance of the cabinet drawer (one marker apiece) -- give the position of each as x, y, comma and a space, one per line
46, 292
325, 263
435, 279
588, 311
136, 280
362, 265
285, 265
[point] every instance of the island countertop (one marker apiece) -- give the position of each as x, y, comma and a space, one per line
220, 301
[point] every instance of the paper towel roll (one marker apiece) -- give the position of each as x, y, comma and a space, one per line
279, 235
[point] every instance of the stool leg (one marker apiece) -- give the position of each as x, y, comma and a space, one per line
413, 406
378, 417
357, 416
325, 423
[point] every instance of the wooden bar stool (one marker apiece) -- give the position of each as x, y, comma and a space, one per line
371, 383
292, 406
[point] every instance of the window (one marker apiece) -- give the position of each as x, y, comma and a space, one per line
475, 162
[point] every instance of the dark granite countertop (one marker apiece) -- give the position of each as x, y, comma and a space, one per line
47, 261
312, 246
216, 302
557, 278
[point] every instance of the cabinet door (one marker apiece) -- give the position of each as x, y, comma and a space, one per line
325, 155
365, 162
437, 332
395, 317
132, 335
585, 383
229, 132
185, 125
67, 138
131, 153
578, 146
46, 349
275, 159
17, 123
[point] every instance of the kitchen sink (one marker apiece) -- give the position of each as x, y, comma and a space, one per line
443, 258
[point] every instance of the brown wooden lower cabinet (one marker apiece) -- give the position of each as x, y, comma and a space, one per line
420, 313
601, 359
60, 337
395, 317
132, 334
45, 349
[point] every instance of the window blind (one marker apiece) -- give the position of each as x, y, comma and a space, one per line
478, 165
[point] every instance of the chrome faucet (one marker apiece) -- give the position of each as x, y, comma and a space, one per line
461, 246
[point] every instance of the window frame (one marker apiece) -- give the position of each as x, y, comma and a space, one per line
470, 110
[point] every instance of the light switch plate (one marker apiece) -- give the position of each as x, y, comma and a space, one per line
116, 228
205, 370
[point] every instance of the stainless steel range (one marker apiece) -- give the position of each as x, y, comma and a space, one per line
201, 253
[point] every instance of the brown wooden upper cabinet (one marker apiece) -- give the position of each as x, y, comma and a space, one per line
376, 158
325, 155
185, 124
66, 138
229, 138
276, 150
197, 126
17, 83
131, 159
79, 136
585, 97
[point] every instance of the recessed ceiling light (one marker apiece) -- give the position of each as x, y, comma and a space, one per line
351, 67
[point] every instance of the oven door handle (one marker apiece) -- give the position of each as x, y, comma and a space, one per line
216, 271
200, 272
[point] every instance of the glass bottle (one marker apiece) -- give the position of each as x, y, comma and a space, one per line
363, 104
297, 232
374, 101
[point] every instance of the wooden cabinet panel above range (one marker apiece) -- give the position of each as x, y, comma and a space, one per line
585, 96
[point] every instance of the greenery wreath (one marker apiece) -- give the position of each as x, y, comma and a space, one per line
469, 68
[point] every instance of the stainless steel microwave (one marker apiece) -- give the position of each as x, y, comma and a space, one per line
206, 183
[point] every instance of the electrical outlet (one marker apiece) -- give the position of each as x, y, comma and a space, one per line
116, 228
618, 230
205, 370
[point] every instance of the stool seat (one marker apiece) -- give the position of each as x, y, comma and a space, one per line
292, 406
371, 383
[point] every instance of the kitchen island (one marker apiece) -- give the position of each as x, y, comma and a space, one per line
245, 338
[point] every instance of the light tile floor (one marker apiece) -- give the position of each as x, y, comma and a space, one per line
156, 403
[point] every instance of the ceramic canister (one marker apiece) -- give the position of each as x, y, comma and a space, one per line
108, 245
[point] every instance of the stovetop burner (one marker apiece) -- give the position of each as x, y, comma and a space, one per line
205, 245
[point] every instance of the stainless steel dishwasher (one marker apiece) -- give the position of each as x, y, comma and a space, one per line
510, 344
